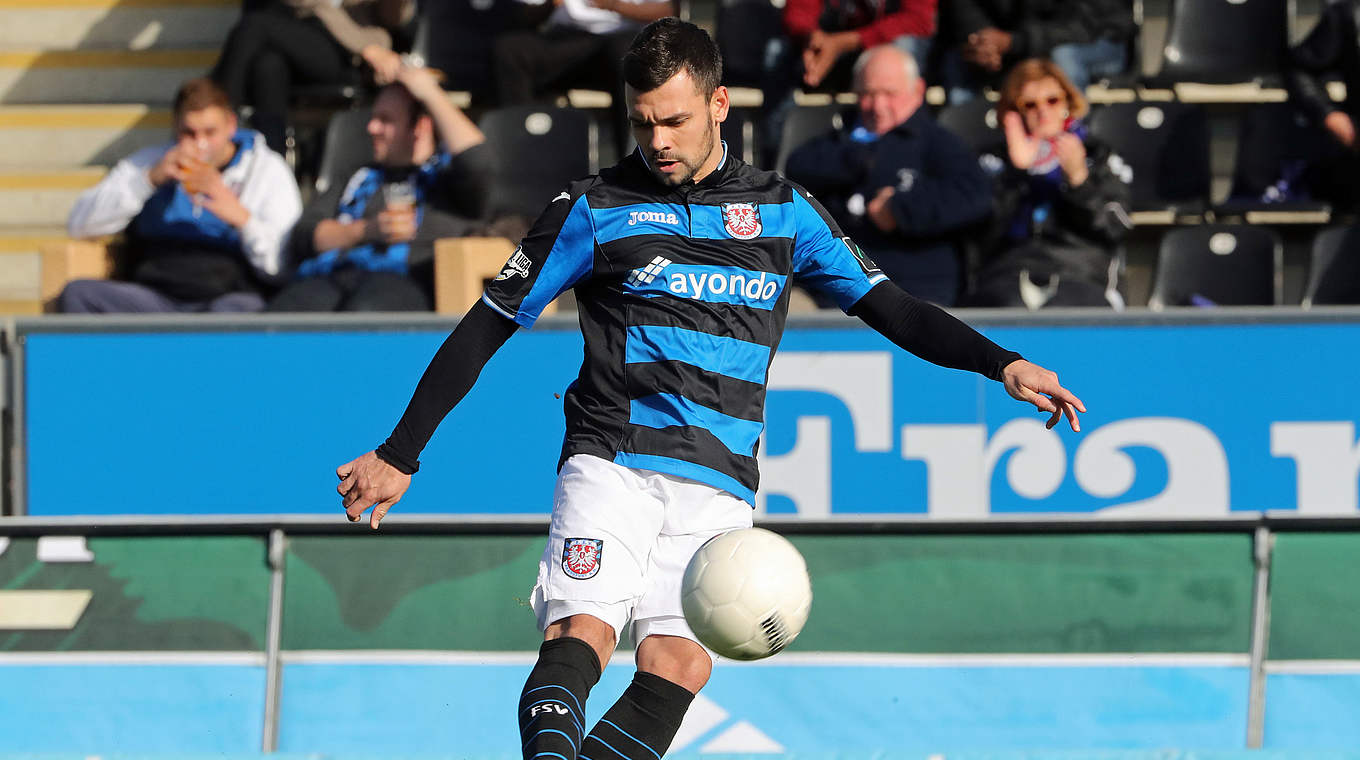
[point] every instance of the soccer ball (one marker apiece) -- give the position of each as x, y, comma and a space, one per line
746, 593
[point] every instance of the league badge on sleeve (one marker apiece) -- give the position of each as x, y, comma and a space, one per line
581, 557
742, 220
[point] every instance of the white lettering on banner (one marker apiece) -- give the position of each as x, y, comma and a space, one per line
1326, 460
960, 459
803, 474
862, 380
1196, 467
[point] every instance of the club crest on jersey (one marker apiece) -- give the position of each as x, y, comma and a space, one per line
517, 265
581, 557
742, 220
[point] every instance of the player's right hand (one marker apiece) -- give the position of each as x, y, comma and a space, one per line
370, 482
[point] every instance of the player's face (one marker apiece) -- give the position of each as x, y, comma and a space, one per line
676, 128
390, 129
1043, 104
206, 134
888, 96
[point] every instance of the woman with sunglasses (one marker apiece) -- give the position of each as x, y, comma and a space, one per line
1061, 200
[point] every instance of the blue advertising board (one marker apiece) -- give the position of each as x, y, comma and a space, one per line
1191, 420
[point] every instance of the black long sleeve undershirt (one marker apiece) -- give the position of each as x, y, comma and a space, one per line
917, 326
451, 374
930, 332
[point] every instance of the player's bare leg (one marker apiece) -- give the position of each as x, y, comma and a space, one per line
641, 725
552, 706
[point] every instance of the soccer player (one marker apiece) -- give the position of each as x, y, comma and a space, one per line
682, 258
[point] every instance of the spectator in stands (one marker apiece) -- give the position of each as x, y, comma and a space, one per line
580, 44
824, 38
1332, 48
206, 217
899, 184
368, 244
981, 39
306, 42
1060, 201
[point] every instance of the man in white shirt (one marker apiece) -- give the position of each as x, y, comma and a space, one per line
206, 217
581, 44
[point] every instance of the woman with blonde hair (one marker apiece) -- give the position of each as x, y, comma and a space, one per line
1061, 199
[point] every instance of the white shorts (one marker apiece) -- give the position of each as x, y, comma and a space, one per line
620, 541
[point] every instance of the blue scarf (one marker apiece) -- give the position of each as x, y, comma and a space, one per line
169, 214
363, 187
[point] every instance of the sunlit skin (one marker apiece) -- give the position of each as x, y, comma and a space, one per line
1043, 112
676, 128
203, 146
206, 135
1043, 105
888, 95
395, 142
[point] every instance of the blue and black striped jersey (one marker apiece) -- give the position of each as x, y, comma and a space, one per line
682, 294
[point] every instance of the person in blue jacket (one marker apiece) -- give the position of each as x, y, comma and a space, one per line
898, 183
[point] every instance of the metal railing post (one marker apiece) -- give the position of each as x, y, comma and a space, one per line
273, 664
1262, 545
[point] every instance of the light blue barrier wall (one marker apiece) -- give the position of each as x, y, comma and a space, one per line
95, 708
1189, 420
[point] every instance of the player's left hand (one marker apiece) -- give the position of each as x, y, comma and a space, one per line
370, 482
1031, 383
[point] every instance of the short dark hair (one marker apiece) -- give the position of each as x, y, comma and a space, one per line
198, 94
418, 108
666, 46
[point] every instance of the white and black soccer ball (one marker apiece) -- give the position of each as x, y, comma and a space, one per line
746, 594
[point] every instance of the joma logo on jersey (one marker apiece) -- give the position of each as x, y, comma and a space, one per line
634, 217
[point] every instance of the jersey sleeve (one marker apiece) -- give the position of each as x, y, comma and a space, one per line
826, 259
558, 252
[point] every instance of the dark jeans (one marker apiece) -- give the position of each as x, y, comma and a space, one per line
113, 297
266, 54
353, 290
531, 64
1082, 62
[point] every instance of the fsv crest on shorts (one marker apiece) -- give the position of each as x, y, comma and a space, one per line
581, 557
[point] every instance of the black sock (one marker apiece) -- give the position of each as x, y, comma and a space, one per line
552, 707
641, 725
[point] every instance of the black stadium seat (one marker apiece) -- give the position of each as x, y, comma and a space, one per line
803, 124
538, 150
1218, 265
742, 30
1166, 145
974, 122
346, 148
738, 131
1224, 42
1276, 143
1334, 272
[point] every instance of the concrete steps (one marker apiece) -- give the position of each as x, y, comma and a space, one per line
86, 135
42, 196
116, 24
20, 267
98, 76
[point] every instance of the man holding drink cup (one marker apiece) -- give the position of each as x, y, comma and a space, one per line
368, 244
206, 217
